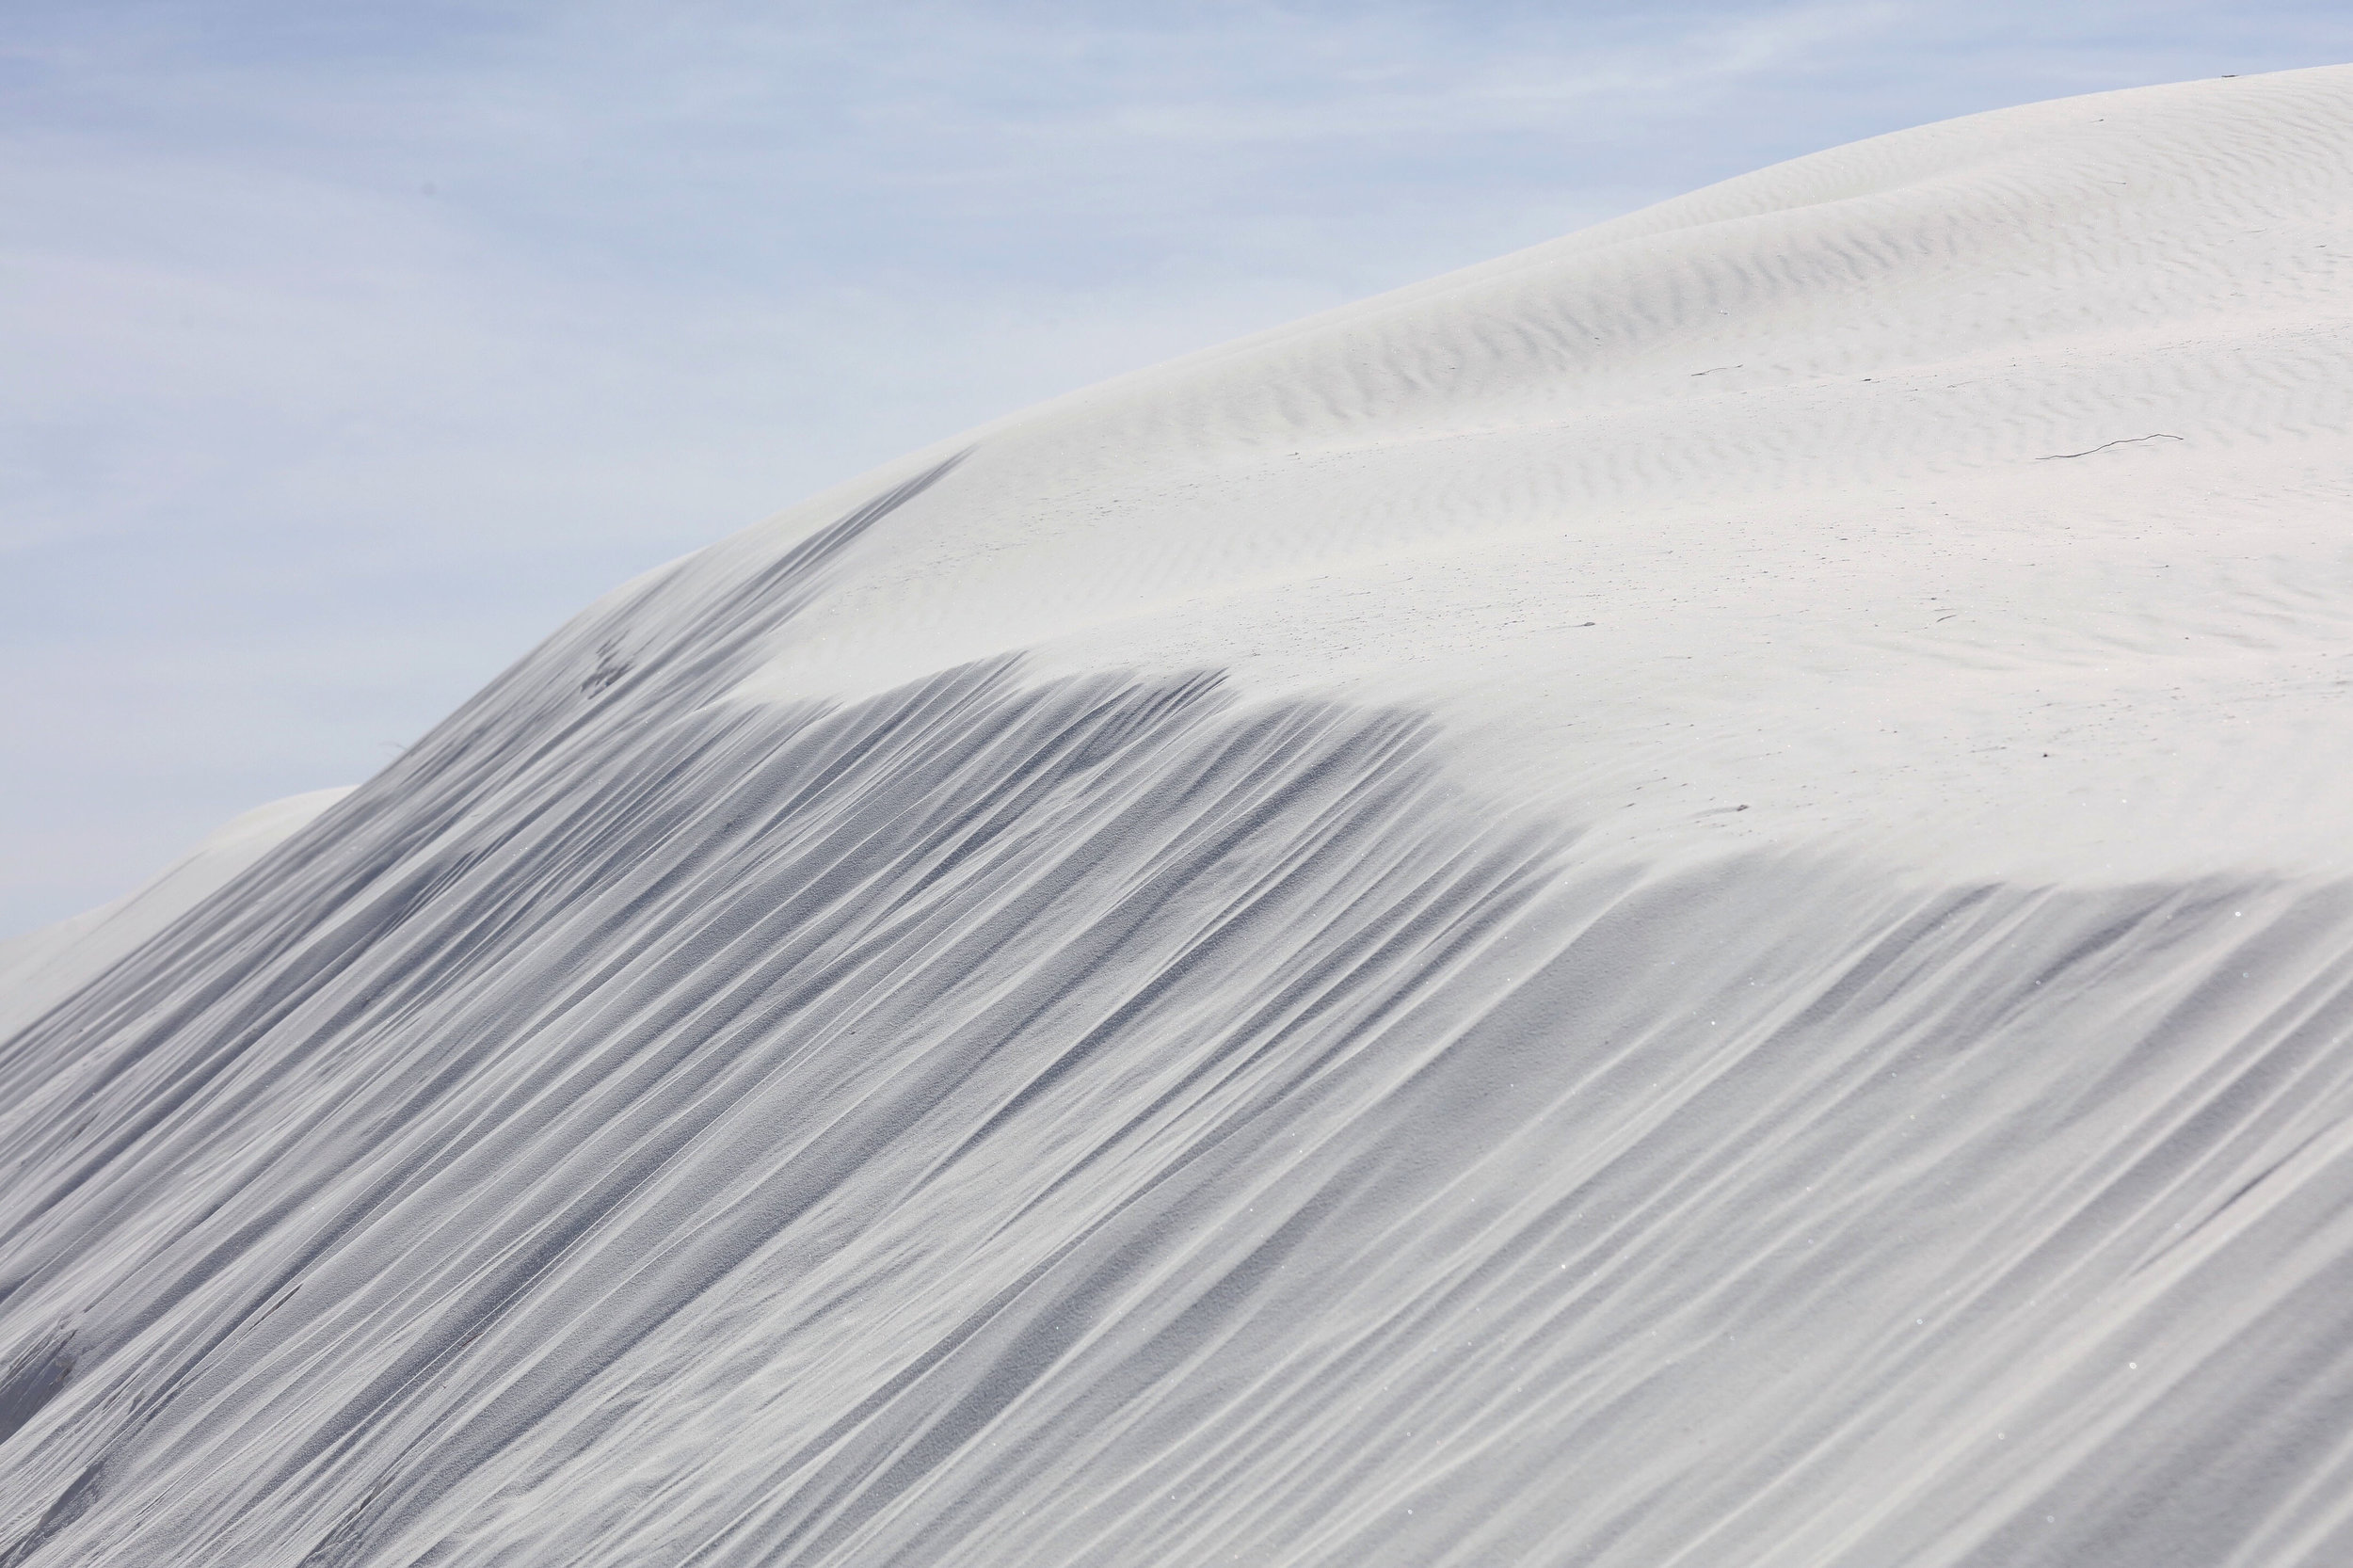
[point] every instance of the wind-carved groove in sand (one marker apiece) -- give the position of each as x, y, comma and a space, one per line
939, 945
1108, 1119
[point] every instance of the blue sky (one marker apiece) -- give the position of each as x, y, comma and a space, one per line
350, 349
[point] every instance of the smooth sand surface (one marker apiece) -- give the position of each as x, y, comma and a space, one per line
1684, 900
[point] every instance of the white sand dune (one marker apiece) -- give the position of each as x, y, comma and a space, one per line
1684, 900
44, 968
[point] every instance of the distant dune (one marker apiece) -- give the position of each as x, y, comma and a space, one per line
1684, 900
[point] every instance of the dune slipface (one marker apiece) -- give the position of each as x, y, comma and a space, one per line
1687, 899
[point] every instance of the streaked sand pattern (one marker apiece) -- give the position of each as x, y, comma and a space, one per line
1680, 901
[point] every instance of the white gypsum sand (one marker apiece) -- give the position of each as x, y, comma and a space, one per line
1679, 901
44, 968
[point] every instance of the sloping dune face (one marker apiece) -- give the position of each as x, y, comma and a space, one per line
1684, 900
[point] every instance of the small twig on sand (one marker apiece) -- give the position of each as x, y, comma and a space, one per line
2126, 440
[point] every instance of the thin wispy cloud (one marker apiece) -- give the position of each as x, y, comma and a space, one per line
356, 346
